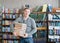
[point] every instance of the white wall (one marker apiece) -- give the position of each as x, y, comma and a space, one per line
59, 3
32, 3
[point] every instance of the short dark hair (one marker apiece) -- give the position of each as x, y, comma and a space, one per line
25, 8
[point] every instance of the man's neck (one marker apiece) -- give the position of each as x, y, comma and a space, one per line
25, 18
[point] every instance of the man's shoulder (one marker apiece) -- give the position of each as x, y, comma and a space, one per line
31, 19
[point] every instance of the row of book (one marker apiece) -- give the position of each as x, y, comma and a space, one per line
6, 29
54, 38
9, 16
54, 30
6, 10
10, 41
38, 17
54, 23
6, 22
54, 17
9, 36
44, 8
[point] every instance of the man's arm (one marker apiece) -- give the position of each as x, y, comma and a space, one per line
33, 26
12, 25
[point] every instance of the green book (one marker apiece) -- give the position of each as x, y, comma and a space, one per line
34, 16
41, 17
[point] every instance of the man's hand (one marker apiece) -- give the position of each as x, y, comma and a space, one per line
14, 33
25, 35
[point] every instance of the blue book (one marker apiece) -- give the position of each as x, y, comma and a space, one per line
14, 16
15, 41
8, 28
8, 36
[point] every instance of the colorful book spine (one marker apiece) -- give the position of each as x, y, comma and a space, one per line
44, 9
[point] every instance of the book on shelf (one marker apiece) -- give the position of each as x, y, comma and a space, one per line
49, 8
10, 11
9, 16
7, 29
14, 16
6, 22
9, 36
51, 32
10, 41
44, 9
34, 16
38, 17
41, 17
56, 16
51, 38
15, 41
5, 41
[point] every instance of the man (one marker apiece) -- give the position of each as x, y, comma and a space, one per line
31, 26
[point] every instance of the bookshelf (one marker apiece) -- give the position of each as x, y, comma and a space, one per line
52, 21
54, 27
8, 16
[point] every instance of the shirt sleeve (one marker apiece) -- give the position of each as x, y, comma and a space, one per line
12, 25
33, 26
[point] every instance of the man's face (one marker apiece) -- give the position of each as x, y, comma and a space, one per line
26, 12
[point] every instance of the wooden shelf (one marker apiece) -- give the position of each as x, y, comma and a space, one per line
10, 39
52, 12
38, 12
44, 12
51, 42
41, 28
54, 21
40, 21
6, 25
6, 32
8, 19
10, 13
33, 13
48, 21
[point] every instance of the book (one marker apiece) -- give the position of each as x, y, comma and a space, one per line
41, 17
34, 16
10, 41
5, 41
49, 7
19, 28
15, 41
14, 16
44, 9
